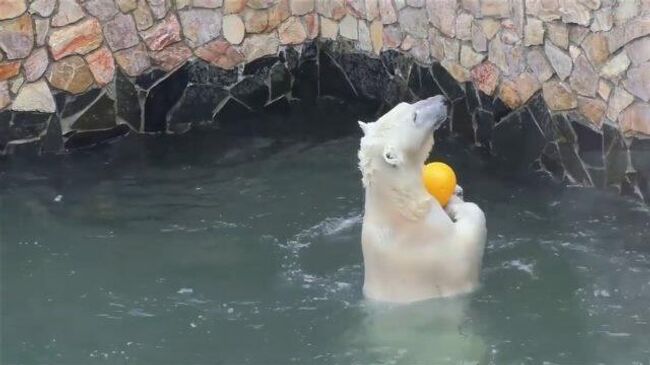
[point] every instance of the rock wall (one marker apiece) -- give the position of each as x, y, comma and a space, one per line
559, 85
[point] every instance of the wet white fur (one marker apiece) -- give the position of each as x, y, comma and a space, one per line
413, 249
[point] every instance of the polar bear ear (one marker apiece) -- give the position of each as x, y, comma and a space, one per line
392, 156
365, 127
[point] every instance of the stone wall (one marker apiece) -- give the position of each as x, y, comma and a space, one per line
559, 85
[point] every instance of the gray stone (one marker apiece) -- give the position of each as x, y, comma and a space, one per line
12, 8
387, 12
635, 120
558, 33
603, 20
615, 66
469, 58
638, 81
120, 32
142, 15
464, 26
127, 5
539, 64
43, 8
329, 29
348, 27
574, 12
584, 79
301, 7
200, 25
5, 98
69, 12
546, 10
495, 8
442, 14
41, 28
158, 8
479, 41
534, 32
17, 37
36, 64
560, 61
35, 97
639, 50
625, 10
101, 9
364, 37
413, 21
292, 31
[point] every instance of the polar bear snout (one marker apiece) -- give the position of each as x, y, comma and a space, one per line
431, 112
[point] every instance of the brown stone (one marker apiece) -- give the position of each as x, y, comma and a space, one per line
533, 32
79, 38
17, 37
469, 58
635, 120
162, 34
593, 109
486, 77
604, 89
558, 95
349, 27
172, 56
127, 5
490, 27
102, 65
456, 70
142, 15
508, 94
260, 4
9, 69
255, 21
233, 6
200, 25
638, 81
615, 66
495, 8
595, 46
333, 9
69, 12
310, 21
584, 79
392, 37
221, 54
292, 31
233, 28
70, 74
260, 45
12, 8
376, 36
301, 7
278, 13
442, 14
36, 64
5, 98
134, 60
527, 85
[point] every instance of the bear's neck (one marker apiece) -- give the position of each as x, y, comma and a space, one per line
403, 200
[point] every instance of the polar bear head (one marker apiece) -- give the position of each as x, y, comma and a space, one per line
400, 140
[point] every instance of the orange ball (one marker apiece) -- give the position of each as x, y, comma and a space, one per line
439, 180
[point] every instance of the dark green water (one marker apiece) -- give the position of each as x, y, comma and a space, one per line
197, 254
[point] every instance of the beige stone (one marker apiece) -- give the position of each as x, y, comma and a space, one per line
407, 43
142, 16
451, 49
614, 67
574, 11
41, 29
414, 22
333, 9
260, 45
595, 46
472, 6
495, 8
619, 100
278, 13
134, 60
469, 58
392, 37
508, 94
70, 74
224, 55
34, 97
292, 31
558, 33
12, 8
301, 7
442, 14
527, 85
486, 77
312, 27
464, 26
546, 10
479, 40
16, 83
255, 21
233, 6
603, 20
540, 66
558, 95
436, 45
376, 35
458, 72
68, 12
387, 12
593, 109
604, 89
329, 29
349, 28
635, 120
233, 28
625, 11
534, 32
420, 50
127, 6
365, 43
490, 27
5, 98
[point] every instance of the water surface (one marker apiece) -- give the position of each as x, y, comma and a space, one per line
249, 253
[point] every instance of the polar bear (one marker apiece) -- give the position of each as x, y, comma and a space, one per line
413, 249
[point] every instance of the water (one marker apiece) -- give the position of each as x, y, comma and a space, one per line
203, 253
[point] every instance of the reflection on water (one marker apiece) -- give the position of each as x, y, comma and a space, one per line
206, 253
